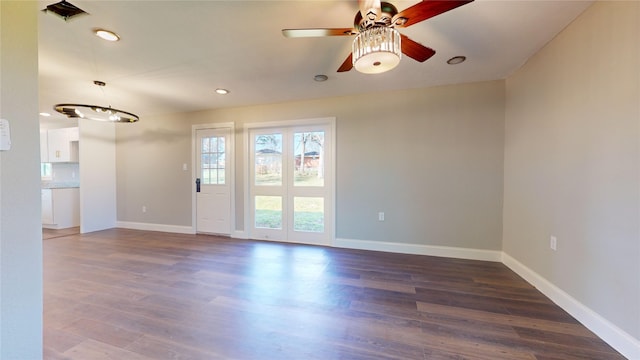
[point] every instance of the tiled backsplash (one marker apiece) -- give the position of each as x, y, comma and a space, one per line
67, 174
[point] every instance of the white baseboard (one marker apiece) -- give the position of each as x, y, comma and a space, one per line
170, 228
416, 249
239, 234
620, 340
156, 227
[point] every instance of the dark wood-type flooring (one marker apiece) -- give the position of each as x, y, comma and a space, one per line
126, 294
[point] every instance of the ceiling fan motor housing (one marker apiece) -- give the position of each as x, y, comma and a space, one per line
387, 12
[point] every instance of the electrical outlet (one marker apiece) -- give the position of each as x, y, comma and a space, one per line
144, 209
184, 167
381, 216
553, 243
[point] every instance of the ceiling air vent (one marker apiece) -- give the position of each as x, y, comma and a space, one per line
65, 10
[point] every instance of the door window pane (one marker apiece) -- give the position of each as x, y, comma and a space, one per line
308, 155
212, 161
268, 212
308, 214
221, 161
268, 160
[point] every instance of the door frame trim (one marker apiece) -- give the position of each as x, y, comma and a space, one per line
231, 175
327, 121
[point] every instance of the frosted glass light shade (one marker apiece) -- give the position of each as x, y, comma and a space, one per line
376, 50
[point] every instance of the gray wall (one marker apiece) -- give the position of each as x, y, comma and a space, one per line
20, 227
572, 162
431, 159
149, 159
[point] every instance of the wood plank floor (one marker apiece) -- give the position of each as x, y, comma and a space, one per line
126, 294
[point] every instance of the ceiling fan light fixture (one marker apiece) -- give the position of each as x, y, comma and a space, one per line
376, 50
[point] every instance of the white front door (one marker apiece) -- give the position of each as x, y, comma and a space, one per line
291, 184
213, 195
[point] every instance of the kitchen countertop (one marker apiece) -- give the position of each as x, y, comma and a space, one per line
60, 185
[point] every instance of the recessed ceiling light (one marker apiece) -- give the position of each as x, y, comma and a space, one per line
106, 34
456, 60
320, 78
45, 114
222, 91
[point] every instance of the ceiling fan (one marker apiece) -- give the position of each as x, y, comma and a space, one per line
378, 45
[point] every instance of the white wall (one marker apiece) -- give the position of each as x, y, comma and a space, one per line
572, 165
20, 231
97, 176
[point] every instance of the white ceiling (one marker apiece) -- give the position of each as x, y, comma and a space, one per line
173, 54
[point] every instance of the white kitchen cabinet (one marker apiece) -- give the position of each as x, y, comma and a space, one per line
60, 208
63, 144
74, 133
47, 207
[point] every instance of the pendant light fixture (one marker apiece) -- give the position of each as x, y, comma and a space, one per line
96, 112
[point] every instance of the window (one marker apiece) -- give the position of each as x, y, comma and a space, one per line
45, 171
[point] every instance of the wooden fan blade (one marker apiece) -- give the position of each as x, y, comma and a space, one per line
347, 64
415, 50
296, 33
366, 7
425, 10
